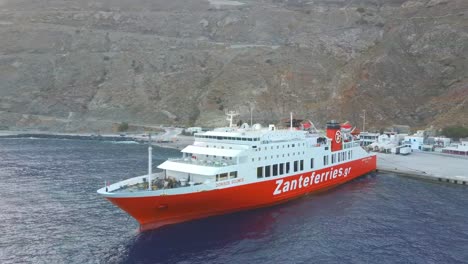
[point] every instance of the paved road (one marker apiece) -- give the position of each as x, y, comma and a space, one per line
425, 164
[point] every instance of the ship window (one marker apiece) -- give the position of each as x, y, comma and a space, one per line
267, 171
259, 158
312, 163
223, 176
260, 172
275, 170
281, 168
250, 139
253, 159
339, 157
288, 145
333, 158
287, 167
295, 166
349, 154
325, 160
217, 177
233, 175
302, 165
244, 139
277, 147
293, 145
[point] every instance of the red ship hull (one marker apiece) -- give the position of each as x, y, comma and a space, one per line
156, 211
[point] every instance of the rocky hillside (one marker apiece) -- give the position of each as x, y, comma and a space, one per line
83, 65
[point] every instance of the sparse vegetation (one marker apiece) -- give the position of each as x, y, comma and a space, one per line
456, 132
123, 127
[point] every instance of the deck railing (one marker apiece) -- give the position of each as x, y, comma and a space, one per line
351, 144
204, 162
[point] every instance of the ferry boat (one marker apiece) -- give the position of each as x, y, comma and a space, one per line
239, 168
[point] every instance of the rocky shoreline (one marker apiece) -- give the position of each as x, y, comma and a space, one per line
176, 142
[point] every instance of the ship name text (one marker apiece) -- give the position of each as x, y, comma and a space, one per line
283, 186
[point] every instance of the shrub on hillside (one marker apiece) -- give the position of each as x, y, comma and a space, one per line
456, 132
123, 127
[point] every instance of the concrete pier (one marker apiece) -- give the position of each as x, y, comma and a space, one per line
431, 166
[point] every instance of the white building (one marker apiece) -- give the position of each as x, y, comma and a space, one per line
416, 142
458, 149
194, 130
368, 138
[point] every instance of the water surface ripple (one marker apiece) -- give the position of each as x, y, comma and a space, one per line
50, 213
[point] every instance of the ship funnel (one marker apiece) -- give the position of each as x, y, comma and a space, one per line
334, 133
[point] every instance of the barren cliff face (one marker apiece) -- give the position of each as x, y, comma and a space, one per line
75, 65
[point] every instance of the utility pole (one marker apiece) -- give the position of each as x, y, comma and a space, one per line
251, 107
363, 120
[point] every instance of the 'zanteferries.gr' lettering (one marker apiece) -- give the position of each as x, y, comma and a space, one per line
283, 186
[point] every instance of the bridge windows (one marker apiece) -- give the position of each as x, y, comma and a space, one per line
233, 175
275, 169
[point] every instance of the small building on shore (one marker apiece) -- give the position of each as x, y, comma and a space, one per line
193, 130
457, 149
416, 141
368, 138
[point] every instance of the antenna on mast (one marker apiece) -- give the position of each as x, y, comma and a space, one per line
231, 115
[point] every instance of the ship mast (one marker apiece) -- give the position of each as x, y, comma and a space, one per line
150, 161
230, 118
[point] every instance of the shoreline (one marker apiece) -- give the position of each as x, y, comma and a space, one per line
171, 138
423, 165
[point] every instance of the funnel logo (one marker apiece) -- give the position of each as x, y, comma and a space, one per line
338, 136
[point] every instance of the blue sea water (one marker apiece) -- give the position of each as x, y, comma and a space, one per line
50, 213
